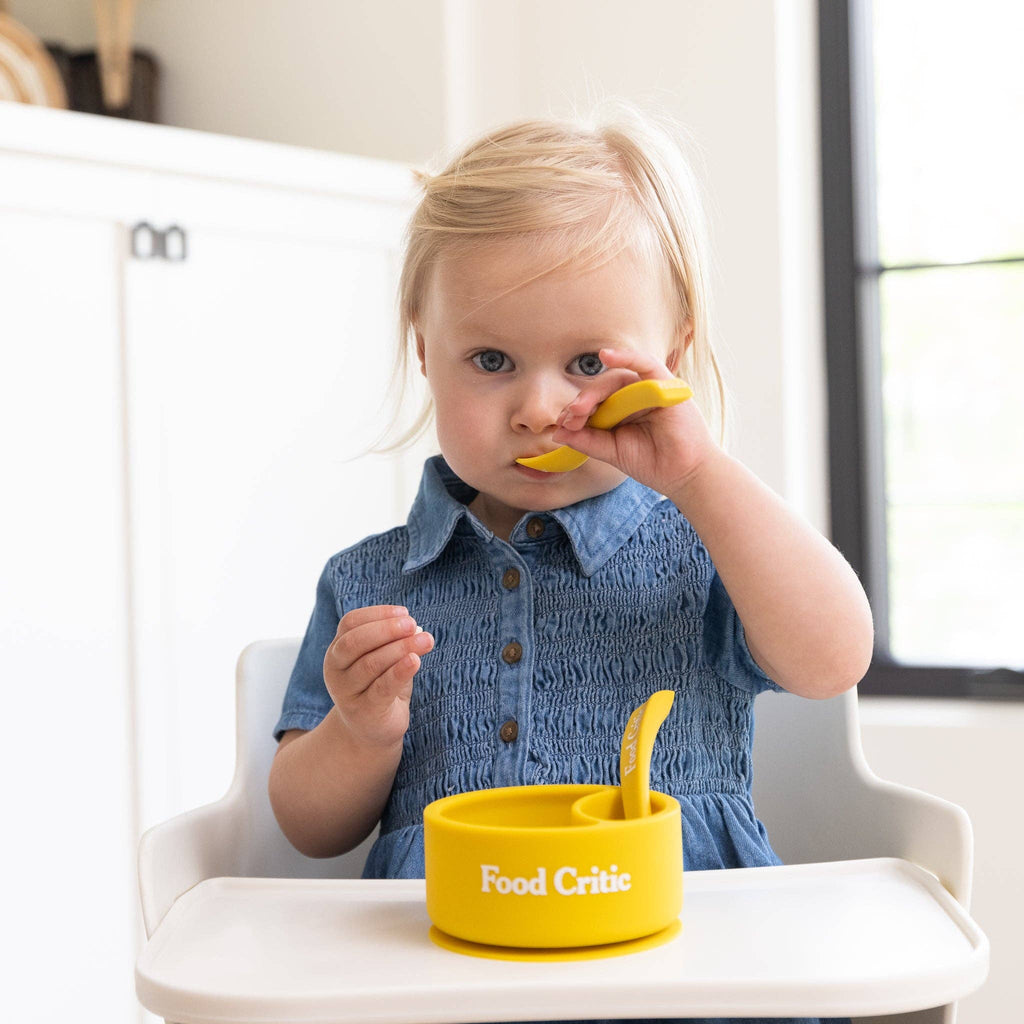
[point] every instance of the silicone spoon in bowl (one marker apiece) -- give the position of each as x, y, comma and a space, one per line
635, 754
641, 394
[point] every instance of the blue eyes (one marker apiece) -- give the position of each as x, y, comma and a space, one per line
589, 363
492, 361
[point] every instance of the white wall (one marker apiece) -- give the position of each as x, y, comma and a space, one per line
402, 78
357, 76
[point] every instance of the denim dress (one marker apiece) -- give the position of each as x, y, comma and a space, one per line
544, 645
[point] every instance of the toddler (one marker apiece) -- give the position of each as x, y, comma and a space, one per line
503, 635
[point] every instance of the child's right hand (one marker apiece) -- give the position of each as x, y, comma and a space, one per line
369, 668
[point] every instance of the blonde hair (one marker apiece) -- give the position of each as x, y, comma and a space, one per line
583, 190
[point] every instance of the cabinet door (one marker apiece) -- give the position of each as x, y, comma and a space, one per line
67, 755
255, 366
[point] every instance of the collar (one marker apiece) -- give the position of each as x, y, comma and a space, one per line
596, 527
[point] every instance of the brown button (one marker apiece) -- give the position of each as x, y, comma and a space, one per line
512, 652
535, 528
509, 731
511, 579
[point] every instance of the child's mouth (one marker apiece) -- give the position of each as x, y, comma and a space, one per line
535, 474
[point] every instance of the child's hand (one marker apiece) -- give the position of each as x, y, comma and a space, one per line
369, 669
659, 447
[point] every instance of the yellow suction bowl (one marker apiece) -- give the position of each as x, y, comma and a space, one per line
548, 867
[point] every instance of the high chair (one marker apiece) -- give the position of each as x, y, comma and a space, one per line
868, 864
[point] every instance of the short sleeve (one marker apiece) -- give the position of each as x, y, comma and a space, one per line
725, 643
306, 700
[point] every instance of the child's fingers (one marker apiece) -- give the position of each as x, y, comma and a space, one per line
370, 613
624, 366
364, 629
395, 683
582, 407
364, 672
597, 444
405, 652
646, 366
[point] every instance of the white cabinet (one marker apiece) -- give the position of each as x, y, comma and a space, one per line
181, 453
66, 760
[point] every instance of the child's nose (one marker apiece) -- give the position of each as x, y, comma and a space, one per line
540, 403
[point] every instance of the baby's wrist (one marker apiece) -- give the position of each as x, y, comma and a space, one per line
685, 490
364, 742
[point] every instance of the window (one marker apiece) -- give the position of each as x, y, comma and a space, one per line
922, 132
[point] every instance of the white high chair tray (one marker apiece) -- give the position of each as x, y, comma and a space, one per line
850, 937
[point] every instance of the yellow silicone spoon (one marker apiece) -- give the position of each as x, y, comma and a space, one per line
635, 755
641, 394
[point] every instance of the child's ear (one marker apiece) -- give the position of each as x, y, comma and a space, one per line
421, 350
683, 340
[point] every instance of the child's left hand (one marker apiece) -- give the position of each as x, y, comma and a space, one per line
658, 447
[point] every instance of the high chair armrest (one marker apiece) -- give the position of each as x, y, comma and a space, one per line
919, 827
183, 851
820, 800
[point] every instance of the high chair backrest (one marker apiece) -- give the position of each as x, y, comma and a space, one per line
262, 675
807, 757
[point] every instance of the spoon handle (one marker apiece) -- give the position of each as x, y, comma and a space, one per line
635, 755
641, 394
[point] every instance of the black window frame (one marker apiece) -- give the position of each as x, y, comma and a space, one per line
851, 275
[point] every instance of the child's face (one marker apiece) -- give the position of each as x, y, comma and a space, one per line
502, 365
